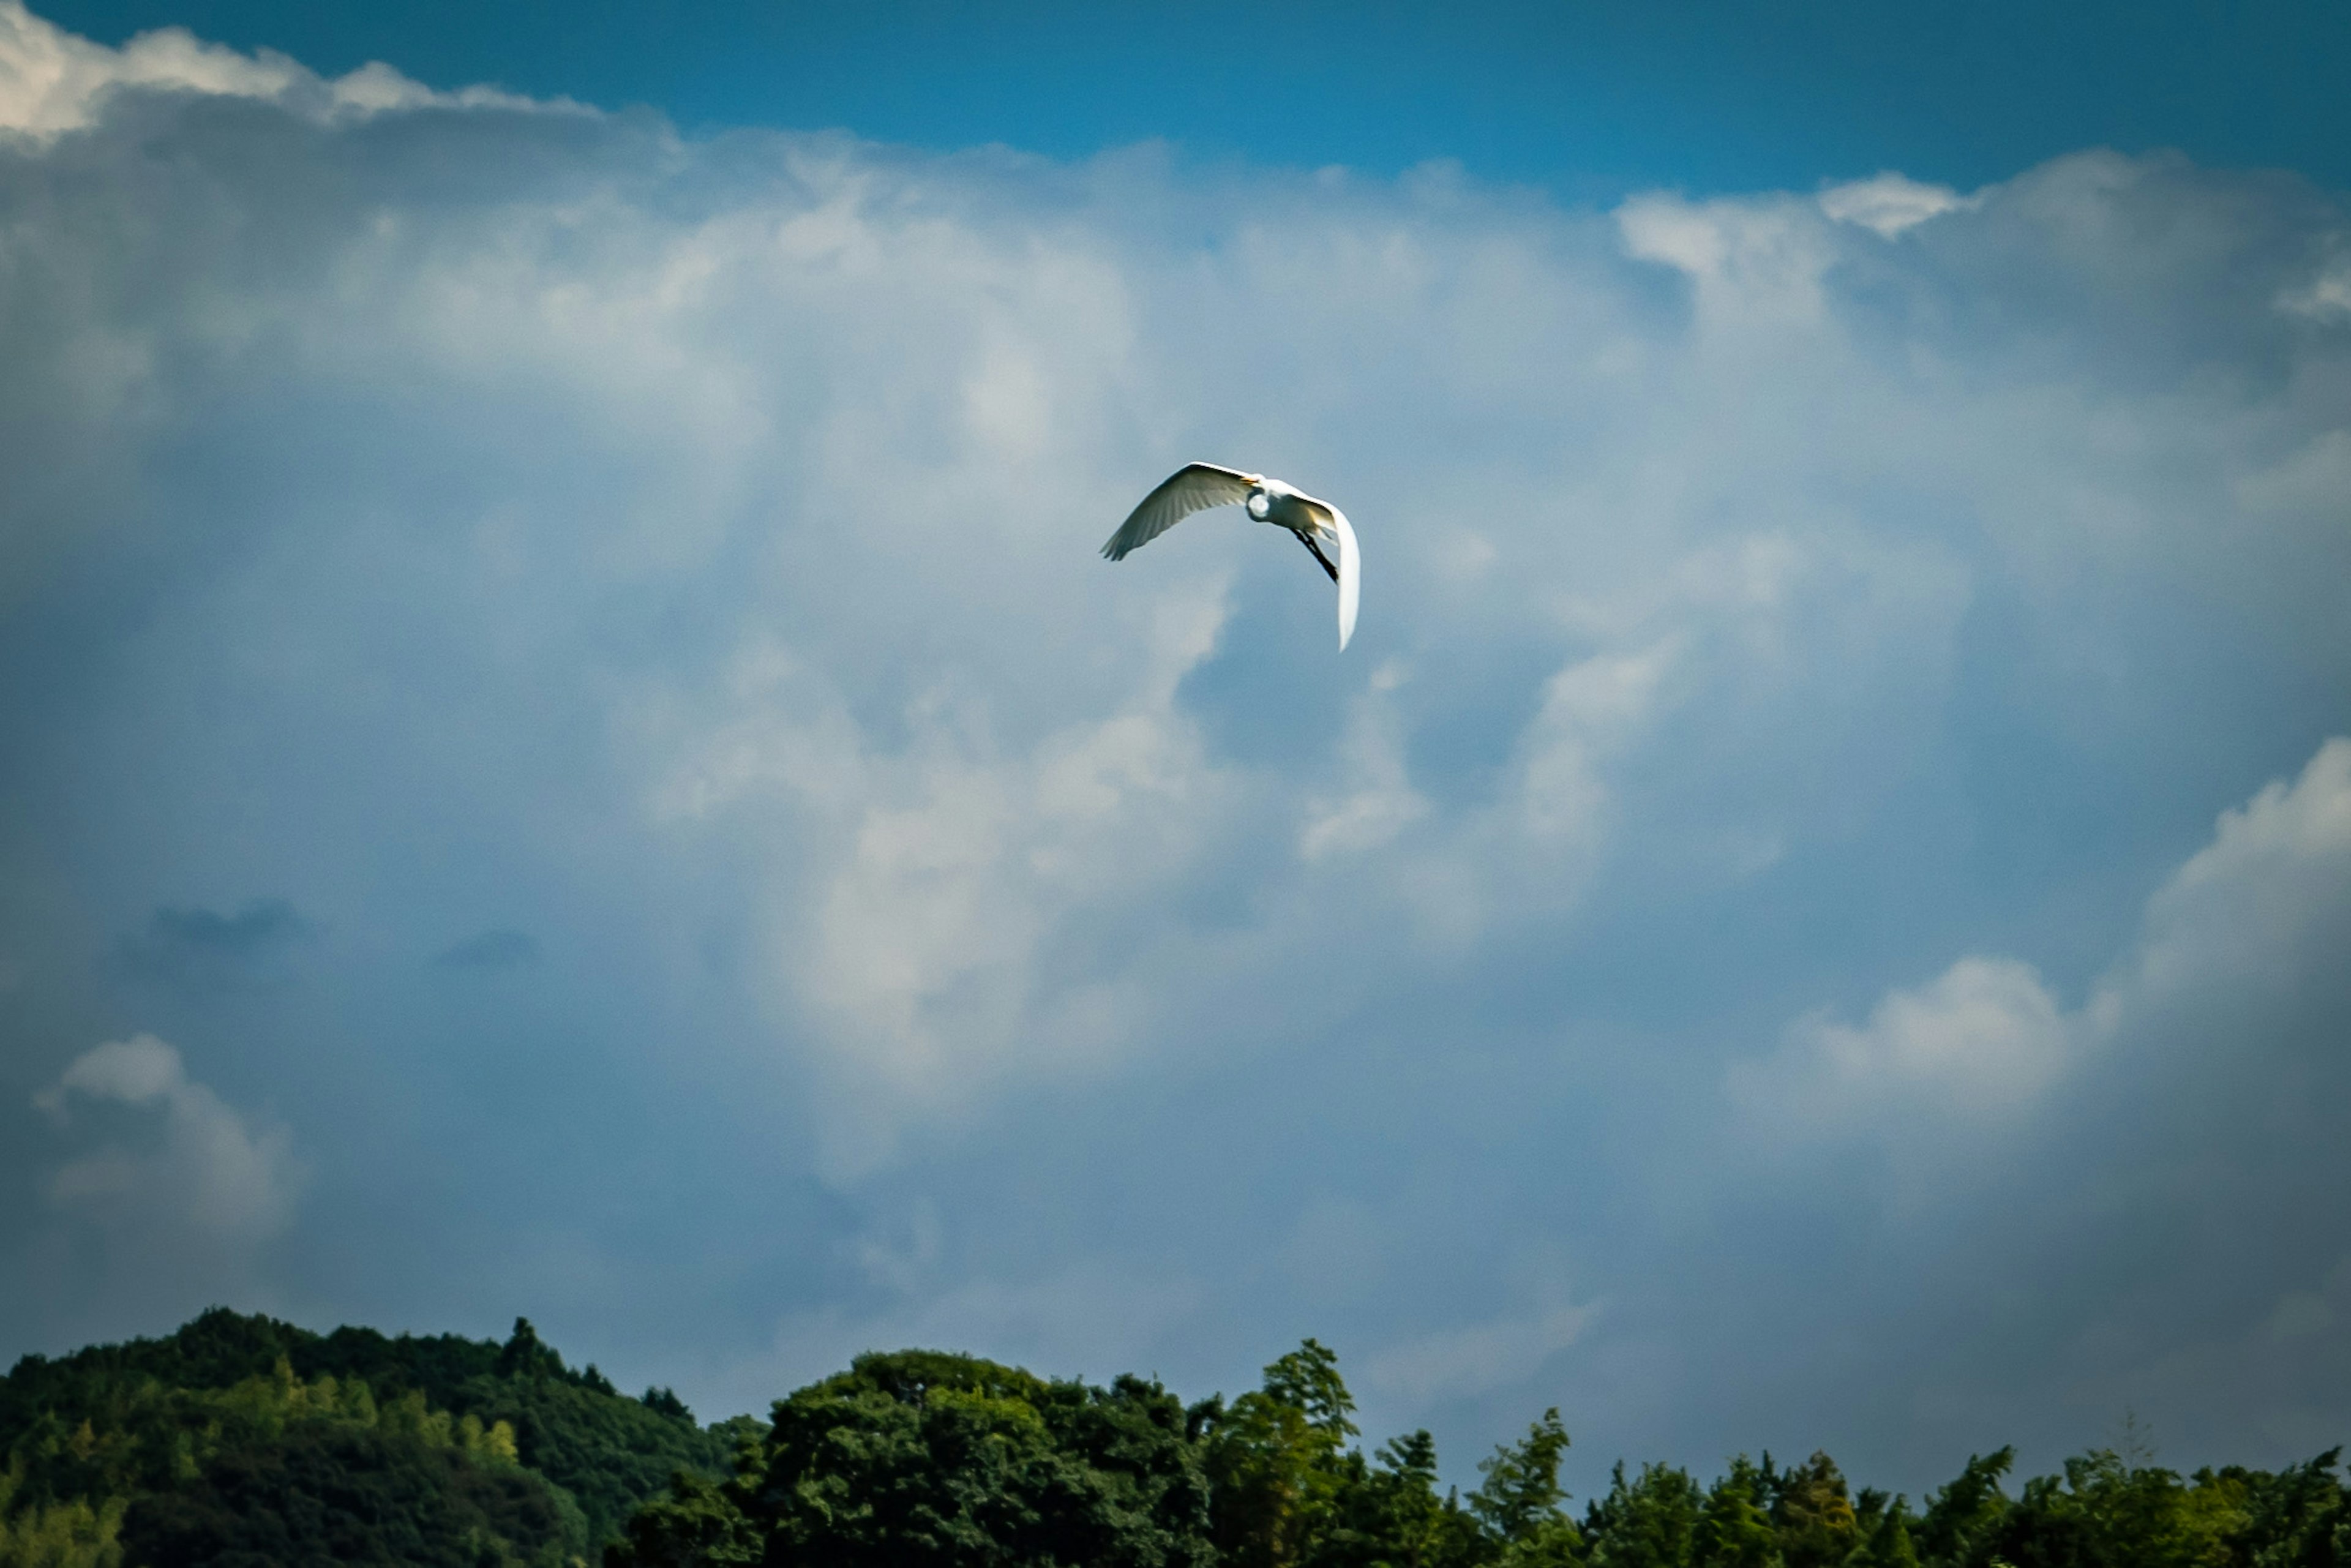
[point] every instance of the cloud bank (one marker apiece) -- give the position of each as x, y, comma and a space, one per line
1807, 636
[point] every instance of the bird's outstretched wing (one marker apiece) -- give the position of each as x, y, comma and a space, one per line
1349, 573
1351, 577
1193, 487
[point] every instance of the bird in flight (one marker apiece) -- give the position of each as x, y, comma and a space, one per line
1196, 487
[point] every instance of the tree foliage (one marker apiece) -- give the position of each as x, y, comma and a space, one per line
240, 1442
921, 1458
243, 1439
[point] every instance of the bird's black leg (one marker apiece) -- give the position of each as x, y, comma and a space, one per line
1316, 550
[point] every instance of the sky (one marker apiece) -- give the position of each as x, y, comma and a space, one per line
1589, 99
570, 751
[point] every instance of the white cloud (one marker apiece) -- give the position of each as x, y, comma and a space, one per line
1379, 801
1985, 1039
2264, 899
210, 1178
1753, 260
1984, 1043
1887, 204
949, 873
52, 80
2325, 295
1590, 711
866, 413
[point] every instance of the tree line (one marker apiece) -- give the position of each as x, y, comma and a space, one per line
240, 1442
922, 1457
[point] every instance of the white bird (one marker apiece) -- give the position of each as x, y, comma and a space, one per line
1196, 487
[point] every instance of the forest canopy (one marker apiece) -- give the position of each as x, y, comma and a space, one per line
246, 1441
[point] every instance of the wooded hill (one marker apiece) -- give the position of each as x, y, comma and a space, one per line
242, 1442
248, 1441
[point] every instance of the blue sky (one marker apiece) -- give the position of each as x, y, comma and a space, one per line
1580, 98
571, 754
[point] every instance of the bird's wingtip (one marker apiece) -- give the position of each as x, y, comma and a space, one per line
1349, 576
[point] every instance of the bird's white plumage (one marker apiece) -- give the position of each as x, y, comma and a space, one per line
1351, 577
1196, 487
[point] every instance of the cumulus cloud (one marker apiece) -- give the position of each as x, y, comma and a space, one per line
1379, 801
953, 875
2264, 906
1755, 263
2265, 899
189, 1173
1588, 710
1888, 203
1984, 1040
2153, 1167
53, 81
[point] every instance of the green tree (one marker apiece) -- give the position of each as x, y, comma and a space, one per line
1882, 1524
1963, 1518
2106, 1511
332, 1492
1814, 1515
2298, 1518
1735, 1527
1398, 1518
1650, 1522
1275, 1461
922, 1458
70, 1534
1518, 1501
701, 1523
1308, 1380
